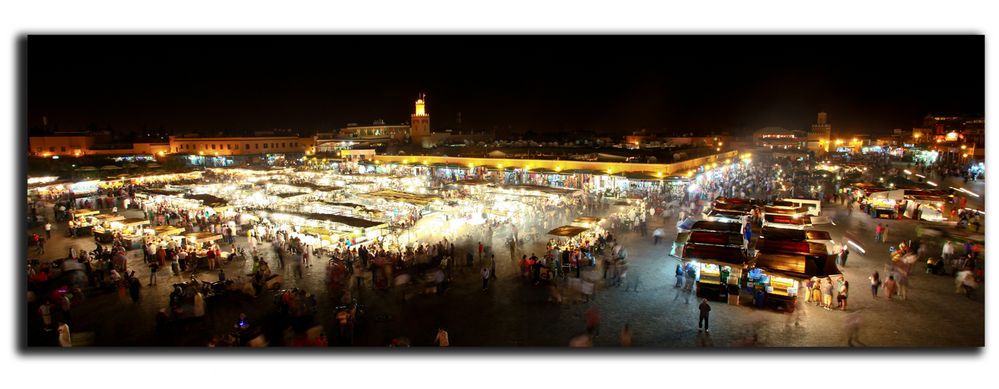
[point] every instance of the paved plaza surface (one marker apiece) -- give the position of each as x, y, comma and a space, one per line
514, 312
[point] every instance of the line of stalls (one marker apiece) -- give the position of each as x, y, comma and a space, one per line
917, 204
784, 213
771, 271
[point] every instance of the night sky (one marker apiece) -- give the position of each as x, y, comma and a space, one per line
610, 84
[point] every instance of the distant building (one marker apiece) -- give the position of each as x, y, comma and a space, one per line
378, 131
419, 124
85, 144
942, 128
245, 145
820, 135
779, 138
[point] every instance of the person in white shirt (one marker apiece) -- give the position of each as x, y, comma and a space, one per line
48, 230
485, 278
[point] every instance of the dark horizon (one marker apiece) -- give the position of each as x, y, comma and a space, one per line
605, 84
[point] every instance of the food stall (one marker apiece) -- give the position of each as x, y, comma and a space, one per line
775, 278
729, 210
83, 221
109, 225
882, 204
718, 267
132, 230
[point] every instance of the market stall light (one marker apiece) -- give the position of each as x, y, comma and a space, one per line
931, 183
907, 171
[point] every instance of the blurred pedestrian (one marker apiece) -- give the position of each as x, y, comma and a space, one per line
45, 311
442, 339
65, 339
852, 323
702, 318
153, 267
592, 317
485, 278
890, 286
626, 336
844, 288
875, 283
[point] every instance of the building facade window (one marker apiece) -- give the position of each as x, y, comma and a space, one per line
52, 149
265, 145
62, 148
247, 146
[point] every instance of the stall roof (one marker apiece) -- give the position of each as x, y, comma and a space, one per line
794, 235
290, 194
107, 217
782, 210
770, 245
207, 199
405, 197
567, 231
726, 213
164, 192
705, 225
203, 236
167, 230
314, 186
587, 219
85, 212
346, 220
135, 221
796, 266
743, 208
710, 253
538, 188
716, 238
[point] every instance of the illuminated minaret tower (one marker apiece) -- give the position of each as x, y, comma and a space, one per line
419, 124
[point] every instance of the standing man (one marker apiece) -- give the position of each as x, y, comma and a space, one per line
657, 235
153, 267
842, 255
481, 247
703, 318
485, 278
48, 230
